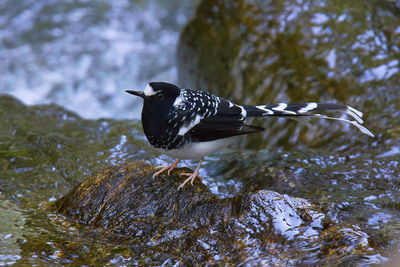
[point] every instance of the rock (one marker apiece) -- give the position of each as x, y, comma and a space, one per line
192, 225
263, 52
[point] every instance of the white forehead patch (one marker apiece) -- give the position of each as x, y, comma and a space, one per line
148, 91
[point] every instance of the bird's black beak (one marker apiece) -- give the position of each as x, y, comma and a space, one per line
137, 93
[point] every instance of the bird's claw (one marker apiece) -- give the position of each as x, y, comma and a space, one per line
164, 168
192, 177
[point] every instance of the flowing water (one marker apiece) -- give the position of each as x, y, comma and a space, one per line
78, 52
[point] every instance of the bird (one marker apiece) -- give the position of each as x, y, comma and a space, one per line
191, 124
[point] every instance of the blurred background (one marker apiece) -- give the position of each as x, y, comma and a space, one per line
64, 115
82, 54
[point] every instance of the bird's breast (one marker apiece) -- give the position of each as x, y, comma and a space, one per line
160, 134
198, 150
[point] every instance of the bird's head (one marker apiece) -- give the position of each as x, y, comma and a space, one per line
157, 95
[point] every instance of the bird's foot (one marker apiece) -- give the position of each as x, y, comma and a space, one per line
192, 177
168, 168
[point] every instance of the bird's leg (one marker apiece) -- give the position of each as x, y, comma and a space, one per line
192, 176
165, 168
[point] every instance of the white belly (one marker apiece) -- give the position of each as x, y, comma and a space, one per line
198, 150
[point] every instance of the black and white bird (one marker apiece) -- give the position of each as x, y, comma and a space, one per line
190, 124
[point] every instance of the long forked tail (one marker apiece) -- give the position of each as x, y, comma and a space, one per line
307, 110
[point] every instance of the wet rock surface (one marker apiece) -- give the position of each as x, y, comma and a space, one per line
192, 225
347, 201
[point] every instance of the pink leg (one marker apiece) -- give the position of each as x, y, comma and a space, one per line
168, 168
192, 176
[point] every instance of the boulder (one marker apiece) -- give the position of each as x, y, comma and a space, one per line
192, 225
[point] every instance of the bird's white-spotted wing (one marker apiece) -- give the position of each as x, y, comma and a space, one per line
206, 117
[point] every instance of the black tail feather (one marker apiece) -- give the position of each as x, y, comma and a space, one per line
309, 110
282, 109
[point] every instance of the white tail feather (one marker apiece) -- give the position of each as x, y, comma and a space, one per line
359, 113
355, 123
352, 114
355, 114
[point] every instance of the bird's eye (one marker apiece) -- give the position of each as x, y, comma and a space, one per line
160, 96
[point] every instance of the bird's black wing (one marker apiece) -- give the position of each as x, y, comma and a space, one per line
228, 121
206, 117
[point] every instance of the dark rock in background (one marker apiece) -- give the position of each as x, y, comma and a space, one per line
263, 52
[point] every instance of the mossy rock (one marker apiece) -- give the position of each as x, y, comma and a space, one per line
192, 225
